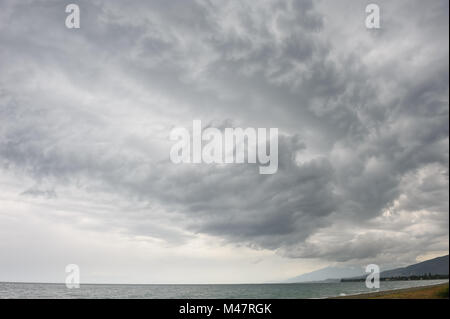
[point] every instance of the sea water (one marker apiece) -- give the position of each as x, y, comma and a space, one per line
253, 291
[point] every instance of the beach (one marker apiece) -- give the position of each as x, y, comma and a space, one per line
439, 291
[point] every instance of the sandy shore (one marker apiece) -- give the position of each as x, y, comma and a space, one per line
424, 292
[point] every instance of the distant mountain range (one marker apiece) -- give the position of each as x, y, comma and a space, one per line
329, 274
435, 266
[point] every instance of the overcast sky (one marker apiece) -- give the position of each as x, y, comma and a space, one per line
85, 117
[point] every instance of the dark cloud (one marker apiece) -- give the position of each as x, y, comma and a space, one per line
363, 116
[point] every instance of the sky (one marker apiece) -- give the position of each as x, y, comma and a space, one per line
85, 118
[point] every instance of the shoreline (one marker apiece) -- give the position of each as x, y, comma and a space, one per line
420, 292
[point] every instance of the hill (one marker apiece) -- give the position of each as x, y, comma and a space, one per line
435, 266
329, 274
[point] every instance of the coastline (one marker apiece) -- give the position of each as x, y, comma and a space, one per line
422, 292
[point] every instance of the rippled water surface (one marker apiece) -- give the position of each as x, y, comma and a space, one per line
260, 291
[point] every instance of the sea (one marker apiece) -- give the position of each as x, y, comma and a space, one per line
207, 291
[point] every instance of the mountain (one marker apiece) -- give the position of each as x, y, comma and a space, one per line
329, 273
435, 266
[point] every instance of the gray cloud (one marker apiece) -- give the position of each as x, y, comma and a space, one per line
364, 117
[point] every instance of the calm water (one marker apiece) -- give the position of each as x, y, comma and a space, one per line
257, 291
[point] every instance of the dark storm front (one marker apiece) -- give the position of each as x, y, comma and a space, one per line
226, 308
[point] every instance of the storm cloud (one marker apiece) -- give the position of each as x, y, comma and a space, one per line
85, 117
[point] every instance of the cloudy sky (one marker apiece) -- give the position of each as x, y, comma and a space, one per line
85, 118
